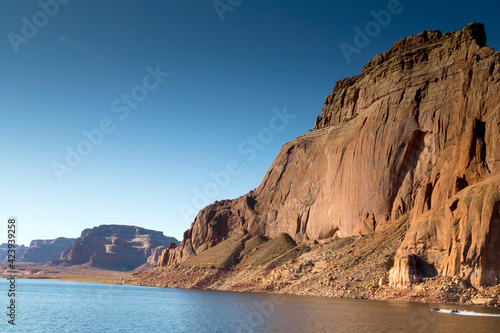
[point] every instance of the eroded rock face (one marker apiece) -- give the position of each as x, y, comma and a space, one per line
460, 238
117, 247
420, 124
4, 252
44, 250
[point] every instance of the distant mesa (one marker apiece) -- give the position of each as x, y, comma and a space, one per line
4, 254
45, 250
118, 247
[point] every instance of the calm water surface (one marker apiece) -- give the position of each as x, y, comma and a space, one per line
60, 306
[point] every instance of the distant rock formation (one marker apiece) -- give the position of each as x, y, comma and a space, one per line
44, 250
417, 133
117, 247
4, 248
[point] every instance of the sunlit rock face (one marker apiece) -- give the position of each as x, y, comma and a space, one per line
117, 247
417, 132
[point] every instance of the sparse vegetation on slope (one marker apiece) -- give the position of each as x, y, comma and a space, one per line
355, 267
224, 255
269, 251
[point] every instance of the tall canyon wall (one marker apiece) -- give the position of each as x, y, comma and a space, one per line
418, 133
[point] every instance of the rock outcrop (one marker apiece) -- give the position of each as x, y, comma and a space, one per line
117, 247
4, 252
459, 237
418, 133
44, 250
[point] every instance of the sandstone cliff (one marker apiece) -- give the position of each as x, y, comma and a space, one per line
4, 252
117, 247
418, 133
44, 250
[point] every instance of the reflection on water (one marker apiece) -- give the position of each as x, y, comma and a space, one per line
310, 314
55, 306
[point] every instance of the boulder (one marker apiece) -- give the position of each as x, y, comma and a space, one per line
484, 301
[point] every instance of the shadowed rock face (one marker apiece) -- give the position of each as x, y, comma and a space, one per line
4, 252
117, 247
417, 130
44, 250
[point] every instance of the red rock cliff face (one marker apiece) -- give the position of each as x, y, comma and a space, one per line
418, 132
117, 247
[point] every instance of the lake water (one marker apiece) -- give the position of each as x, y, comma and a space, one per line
60, 306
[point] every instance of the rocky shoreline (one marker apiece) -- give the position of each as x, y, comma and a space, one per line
354, 267
437, 291
50, 271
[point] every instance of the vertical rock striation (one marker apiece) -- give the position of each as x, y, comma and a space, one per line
418, 132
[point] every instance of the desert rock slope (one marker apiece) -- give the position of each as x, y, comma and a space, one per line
412, 143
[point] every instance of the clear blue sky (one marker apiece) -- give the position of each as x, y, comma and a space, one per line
84, 66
